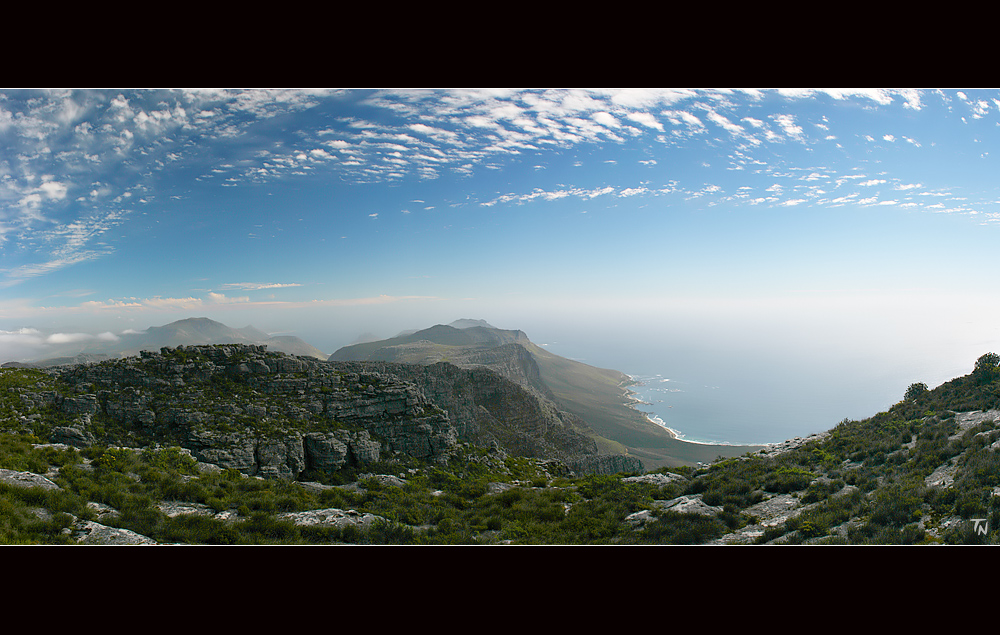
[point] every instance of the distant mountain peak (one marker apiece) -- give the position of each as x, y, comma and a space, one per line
466, 323
185, 332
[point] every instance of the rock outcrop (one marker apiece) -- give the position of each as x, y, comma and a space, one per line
605, 464
244, 408
275, 415
485, 407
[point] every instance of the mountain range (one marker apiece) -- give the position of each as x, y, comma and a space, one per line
236, 444
187, 332
597, 396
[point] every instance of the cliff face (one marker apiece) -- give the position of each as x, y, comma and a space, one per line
274, 415
593, 399
487, 408
241, 407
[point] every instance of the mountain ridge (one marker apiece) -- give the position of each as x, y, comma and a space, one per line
595, 396
163, 448
185, 332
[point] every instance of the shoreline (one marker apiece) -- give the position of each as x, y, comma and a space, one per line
631, 401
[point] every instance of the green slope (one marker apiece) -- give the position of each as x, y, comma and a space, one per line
439, 334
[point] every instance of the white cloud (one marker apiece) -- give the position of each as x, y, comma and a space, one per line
606, 119
725, 124
54, 190
549, 195
22, 335
219, 298
439, 134
645, 119
788, 125
72, 338
632, 191
683, 118
256, 286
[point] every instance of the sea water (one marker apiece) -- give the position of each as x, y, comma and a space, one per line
701, 412
742, 399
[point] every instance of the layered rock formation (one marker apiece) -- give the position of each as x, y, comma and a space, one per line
487, 408
241, 407
277, 416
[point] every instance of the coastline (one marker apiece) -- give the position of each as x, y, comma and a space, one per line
632, 401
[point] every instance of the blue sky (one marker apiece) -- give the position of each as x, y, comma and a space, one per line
852, 223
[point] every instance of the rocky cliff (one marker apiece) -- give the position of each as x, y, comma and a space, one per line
242, 407
489, 409
276, 415
923, 472
593, 399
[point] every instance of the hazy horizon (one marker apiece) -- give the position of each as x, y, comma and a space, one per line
811, 251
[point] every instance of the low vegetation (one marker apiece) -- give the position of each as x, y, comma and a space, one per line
920, 473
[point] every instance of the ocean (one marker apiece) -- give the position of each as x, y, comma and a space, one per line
730, 413
748, 397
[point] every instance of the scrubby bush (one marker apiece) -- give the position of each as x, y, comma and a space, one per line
787, 479
916, 391
672, 528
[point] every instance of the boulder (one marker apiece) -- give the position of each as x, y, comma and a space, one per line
655, 479
688, 505
92, 533
26, 479
338, 518
76, 437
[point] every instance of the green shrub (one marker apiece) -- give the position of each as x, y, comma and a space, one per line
787, 479
672, 528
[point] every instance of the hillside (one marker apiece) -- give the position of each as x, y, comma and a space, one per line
390, 468
596, 396
437, 340
927, 471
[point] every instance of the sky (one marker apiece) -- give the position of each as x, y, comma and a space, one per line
847, 229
